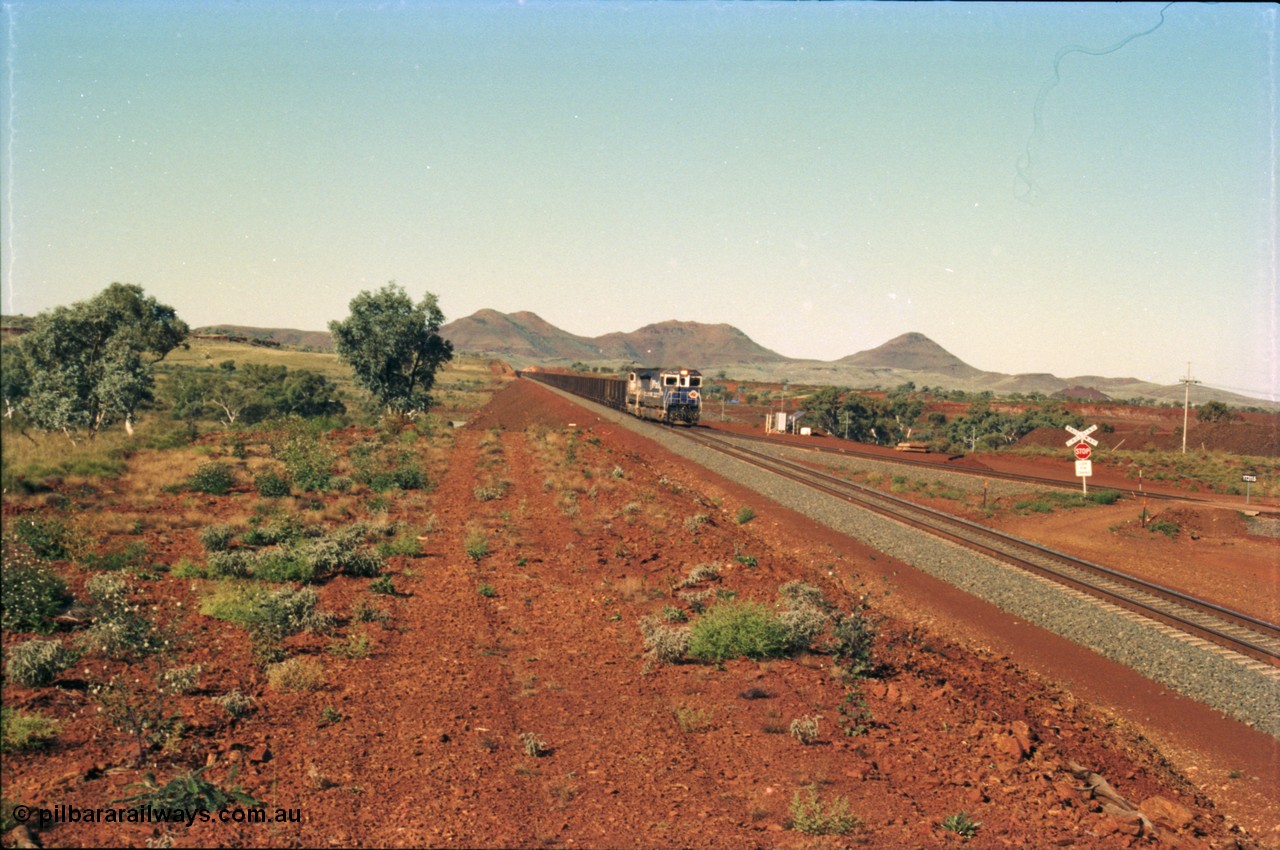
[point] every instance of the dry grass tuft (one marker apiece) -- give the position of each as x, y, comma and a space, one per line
296, 674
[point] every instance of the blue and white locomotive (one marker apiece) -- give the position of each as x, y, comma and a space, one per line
667, 395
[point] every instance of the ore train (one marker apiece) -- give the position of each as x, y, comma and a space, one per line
665, 395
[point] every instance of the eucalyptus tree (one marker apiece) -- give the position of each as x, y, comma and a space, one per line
92, 363
394, 347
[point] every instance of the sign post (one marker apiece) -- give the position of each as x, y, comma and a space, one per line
1084, 468
1248, 478
1083, 443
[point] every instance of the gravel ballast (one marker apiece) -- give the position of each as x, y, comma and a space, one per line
1205, 673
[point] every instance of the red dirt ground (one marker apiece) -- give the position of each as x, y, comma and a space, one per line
593, 530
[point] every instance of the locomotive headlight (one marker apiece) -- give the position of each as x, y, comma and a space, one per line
693, 394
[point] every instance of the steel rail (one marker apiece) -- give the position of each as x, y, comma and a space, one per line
1261, 642
939, 467
1242, 632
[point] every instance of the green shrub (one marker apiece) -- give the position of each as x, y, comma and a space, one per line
1036, 506
49, 539
180, 680
235, 703
672, 614
693, 523
476, 544
855, 717
142, 710
739, 629
487, 591
217, 538
283, 565
291, 611
854, 636
665, 644
489, 492
356, 644
799, 594
20, 731
533, 745
186, 568
30, 596
232, 563
189, 792
961, 824
409, 477
1104, 497
810, 815
699, 574
383, 468
383, 585
213, 478
697, 599
405, 543
7, 820
287, 529
269, 616
271, 485
119, 630
234, 602
132, 555
745, 515
805, 729
1165, 527
364, 611
802, 625
307, 460
342, 551
36, 663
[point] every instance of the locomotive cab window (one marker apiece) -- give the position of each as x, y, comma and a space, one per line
669, 380
695, 381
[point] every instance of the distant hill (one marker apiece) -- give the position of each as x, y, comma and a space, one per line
12, 326
1081, 394
914, 352
288, 337
525, 338
522, 338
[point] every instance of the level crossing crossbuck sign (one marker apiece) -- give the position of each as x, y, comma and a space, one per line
1082, 435
1082, 441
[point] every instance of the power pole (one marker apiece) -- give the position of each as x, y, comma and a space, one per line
1186, 404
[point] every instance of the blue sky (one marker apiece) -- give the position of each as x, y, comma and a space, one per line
823, 176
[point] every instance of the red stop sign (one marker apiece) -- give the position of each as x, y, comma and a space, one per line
1083, 451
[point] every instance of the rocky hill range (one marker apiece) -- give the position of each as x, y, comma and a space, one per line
524, 339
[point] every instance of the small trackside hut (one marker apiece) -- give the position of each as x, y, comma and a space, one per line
667, 395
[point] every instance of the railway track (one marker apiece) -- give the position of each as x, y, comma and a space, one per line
1200, 619
907, 460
